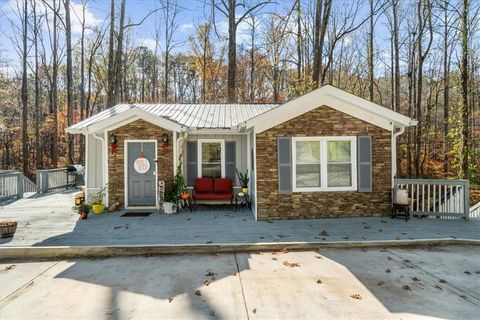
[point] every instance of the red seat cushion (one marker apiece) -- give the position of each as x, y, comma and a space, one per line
222, 185
204, 185
213, 196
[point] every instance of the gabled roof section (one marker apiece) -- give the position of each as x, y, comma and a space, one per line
173, 116
334, 98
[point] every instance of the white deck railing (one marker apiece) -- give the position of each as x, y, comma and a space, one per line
52, 180
475, 212
14, 184
437, 197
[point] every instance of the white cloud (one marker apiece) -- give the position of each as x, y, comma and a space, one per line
186, 26
147, 42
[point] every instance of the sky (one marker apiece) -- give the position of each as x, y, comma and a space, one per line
192, 14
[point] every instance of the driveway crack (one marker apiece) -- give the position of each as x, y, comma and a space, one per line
241, 286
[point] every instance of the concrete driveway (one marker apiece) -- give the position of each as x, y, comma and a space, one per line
432, 282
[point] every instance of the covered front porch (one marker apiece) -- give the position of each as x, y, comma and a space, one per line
50, 220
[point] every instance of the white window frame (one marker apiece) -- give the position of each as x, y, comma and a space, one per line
222, 155
324, 163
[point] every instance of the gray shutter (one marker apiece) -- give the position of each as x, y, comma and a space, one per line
192, 168
284, 164
230, 156
364, 154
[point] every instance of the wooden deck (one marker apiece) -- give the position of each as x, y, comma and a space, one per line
50, 221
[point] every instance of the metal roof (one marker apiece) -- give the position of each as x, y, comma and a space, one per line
199, 116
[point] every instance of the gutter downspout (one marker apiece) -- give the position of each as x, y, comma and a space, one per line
104, 160
394, 151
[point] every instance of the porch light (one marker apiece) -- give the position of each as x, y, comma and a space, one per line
165, 141
113, 143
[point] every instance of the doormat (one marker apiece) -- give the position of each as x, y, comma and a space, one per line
136, 214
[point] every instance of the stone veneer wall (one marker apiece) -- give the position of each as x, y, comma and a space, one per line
138, 130
322, 121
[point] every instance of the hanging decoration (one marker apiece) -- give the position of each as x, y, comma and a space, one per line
141, 164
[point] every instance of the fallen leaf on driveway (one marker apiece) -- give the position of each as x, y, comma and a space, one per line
397, 238
10, 267
234, 273
415, 279
198, 293
209, 274
477, 272
209, 241
206, 283
366, 227
467, 272
274, 259
318, 257
347, 237
319, 281
254, 310
438, 287
291, 264
406, 287
388, 271
383, 221
170, 300
324, 233
380, 283
356, 296
442, 281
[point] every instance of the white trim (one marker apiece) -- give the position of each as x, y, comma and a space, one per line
125, 173
105, 166
255, 194
174, 146
199, 155
249, 162
323, 163
334, 98
126, 117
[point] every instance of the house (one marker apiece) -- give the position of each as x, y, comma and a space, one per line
327, 153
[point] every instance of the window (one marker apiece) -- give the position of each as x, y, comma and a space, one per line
324, 163
211, 158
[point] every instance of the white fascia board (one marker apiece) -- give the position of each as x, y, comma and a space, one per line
131, 115
336, 99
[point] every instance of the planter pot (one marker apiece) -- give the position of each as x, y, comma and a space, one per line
98, 208
244, 189
168, 207
185, 196
400, 196
83, 215
7, 229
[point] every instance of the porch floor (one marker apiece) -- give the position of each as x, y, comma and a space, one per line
50, 221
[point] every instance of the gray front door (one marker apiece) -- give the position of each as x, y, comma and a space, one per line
141, 185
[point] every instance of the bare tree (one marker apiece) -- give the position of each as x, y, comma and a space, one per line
25, 153
464, 79
229, 11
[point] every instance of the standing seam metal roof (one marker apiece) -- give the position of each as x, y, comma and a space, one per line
209, 116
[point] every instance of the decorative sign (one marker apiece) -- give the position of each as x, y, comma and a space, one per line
141, 165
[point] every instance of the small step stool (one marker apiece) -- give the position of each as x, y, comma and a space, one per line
401, 210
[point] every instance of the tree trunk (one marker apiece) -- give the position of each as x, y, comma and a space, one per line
25, 91
370, 54
464, 78
446, 92
82, 83
119, 54
54, 151
38, 150
322, 15
397, 55
232, 52
111, 58
68, 40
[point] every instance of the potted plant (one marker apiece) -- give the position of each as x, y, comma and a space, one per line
96, 201
170, 201
7, 228
179, 186
243, 179
83, 210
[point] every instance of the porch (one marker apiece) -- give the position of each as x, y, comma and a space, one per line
51, 221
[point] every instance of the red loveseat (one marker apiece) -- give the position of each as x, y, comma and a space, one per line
213, 189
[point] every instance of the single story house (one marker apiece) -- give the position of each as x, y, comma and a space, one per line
327, 153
